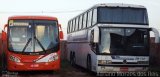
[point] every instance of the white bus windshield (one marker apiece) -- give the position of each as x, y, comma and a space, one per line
122, 15
124, 41
33, 36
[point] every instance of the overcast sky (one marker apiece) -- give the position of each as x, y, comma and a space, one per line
67, 9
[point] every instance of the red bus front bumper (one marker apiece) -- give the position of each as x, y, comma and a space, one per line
13, 66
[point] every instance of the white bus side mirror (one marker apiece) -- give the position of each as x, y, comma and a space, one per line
156, 34
94, 37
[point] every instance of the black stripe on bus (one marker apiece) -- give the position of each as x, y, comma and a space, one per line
124, 65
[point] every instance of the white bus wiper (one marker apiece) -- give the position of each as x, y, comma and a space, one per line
40, 44
29, 40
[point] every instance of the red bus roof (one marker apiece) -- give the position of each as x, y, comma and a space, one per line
33, 17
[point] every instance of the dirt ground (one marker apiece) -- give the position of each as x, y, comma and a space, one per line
66, 71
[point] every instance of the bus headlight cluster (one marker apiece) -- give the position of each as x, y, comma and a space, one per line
53, 58
104, 62
13, 58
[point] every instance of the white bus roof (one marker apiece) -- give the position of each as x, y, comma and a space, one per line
118, 5
111, 5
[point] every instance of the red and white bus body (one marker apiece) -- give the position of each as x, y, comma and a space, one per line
32, 43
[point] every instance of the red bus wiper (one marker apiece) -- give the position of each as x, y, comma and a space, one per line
29, 40
40, 44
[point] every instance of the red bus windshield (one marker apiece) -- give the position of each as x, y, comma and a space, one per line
33, 35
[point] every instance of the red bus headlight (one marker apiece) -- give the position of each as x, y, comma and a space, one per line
13, 58
49, 58
53, 58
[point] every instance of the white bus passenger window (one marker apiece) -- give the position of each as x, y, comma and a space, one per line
84, 20
81, 22
89, 21
94, 19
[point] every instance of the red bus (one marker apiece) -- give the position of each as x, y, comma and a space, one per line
32, 43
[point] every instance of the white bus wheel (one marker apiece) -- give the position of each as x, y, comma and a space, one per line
73, 59
89, 63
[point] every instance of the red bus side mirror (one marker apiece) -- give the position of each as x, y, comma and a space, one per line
60, 32
5, 26
4, 34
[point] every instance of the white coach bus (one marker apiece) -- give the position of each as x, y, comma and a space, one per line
110, 37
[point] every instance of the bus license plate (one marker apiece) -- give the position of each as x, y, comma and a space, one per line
35, 65
124, 69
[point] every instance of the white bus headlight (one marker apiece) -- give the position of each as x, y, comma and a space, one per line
109, 62
104, 62
53, 58
13, 58
101, 62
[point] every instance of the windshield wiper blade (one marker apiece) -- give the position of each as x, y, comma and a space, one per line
29, 40
40, 44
